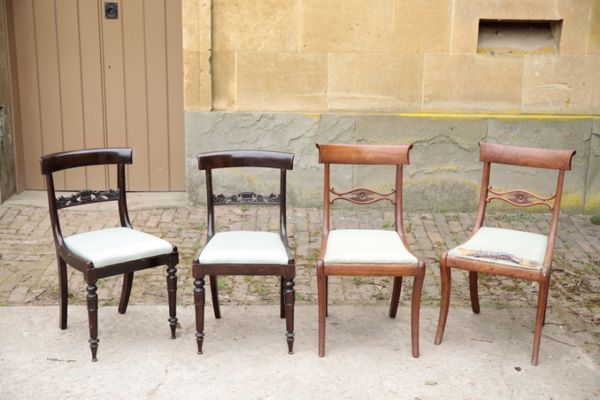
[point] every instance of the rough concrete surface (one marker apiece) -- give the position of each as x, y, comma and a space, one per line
368, 356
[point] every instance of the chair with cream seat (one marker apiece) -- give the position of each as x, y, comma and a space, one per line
105, 252
508, 252
367, 252
245, 252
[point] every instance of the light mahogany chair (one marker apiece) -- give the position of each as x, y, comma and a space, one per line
507, 252
367, 252
245, 252
105, 252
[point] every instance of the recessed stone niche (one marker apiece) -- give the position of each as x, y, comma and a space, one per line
518, 36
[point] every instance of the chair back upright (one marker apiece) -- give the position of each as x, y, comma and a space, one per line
361, 155
55, 162
553, 159
246, 158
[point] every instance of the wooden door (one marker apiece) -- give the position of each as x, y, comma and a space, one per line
86, 81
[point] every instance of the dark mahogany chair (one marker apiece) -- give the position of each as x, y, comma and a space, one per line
362, 251
507, 252
105, 252
245, 252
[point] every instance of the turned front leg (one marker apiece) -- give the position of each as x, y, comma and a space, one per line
289, 297
92, 306
199, 300
172, 292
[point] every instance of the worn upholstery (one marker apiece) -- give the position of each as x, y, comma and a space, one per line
527, 246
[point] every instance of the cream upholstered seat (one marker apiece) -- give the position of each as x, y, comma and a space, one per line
116, 245
366, 246
530, 247
244, 247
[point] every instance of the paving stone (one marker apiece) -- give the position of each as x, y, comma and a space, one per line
28, 260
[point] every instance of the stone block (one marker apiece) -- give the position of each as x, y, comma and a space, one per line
472, 83
467, 14
197, 80
562, 84
375, 81
593, 44
412, 17
223, 80
547, 133
281, 81
576, 25
196, 24
592, 198
270, 25
444, 170
347, 25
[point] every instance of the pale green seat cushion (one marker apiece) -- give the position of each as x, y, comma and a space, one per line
116, 245
524, 245
244, 247
365, 246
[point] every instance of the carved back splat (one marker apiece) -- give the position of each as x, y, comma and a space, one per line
521, 198
86, 197
362, 196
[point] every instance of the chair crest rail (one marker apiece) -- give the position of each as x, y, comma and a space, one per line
521, 198
87, 196
362, 196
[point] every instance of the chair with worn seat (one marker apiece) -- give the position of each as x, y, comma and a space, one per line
367, 252
507, 252
105, 252
245, 252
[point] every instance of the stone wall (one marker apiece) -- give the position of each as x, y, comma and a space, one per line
387, 56
286, 74
7, 156
444, 173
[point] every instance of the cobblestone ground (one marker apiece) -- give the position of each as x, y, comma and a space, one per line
28, 272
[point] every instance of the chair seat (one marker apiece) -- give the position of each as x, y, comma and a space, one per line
366, 246
116, 245
530, 248
244, 247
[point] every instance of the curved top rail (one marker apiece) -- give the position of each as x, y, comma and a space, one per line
393, 154
245, 158
526, 156
81, 158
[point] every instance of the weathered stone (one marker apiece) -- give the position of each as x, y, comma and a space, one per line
560, 134
223, 80
255, 25
347, 25
196, 25
410, 36
592, 198
564, 84
444, 169
467, 14
197, 81
593, 44
281, 81
197, 30
375, 81
575, 26
444, 173
294, 133
472, 83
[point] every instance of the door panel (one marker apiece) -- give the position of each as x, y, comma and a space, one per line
86, 81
